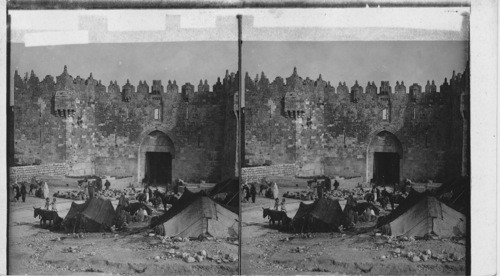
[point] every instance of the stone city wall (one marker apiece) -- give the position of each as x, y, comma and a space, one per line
25, 173
255, 174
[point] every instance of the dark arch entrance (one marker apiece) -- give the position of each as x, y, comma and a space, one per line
384, 156
156, 155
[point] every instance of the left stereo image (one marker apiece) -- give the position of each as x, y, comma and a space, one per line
123, 142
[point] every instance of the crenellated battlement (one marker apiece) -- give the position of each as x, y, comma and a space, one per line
297, 89
66, 88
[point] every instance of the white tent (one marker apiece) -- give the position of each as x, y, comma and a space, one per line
202, 216
429, 216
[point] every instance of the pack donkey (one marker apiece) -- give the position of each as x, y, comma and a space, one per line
46, 215
276, 216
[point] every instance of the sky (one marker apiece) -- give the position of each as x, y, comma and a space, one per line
410, 61
182, 61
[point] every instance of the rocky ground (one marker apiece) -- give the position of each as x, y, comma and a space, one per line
34, 250
265, 250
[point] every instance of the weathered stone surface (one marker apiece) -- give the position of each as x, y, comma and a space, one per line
76, 126
322, 130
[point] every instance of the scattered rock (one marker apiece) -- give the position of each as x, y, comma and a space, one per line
415, 259
199, 258
203, 253
425, 258
439, 256
383, 257
428, 252
171, 251
397, 251
232, 257
190, 259
456, 256
157, 258
151, 234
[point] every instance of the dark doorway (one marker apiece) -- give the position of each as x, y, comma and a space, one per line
158, 168
386, 168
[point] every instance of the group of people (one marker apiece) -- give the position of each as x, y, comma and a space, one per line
268, 189
323, 186
19, 192
249, 191
278, 206
94, 186
50, 206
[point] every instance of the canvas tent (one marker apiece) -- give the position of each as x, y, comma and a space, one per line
429, 216
195, 214
94, 215
323, 215
226, 193
456, 194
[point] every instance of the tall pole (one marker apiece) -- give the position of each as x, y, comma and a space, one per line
238, 136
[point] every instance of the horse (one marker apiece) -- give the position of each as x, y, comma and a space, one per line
278, 216
46, 215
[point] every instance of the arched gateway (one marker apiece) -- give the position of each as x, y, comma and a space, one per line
384, 158
155, 162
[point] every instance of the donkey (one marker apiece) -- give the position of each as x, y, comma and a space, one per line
46, 215
276, 216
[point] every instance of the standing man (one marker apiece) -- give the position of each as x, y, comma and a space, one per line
150, 192
91, 190
98, 184
23, 191
336, 185
350, 210
319, 188
17, 194
107, 184
253, 192
246, 191
328, 184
